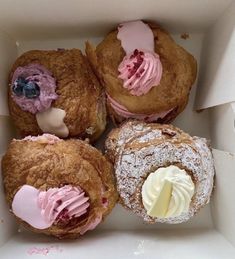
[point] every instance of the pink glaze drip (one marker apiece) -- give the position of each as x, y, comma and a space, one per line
45, 138
46, 82
141, 68
140, 71
123, 112
41, 209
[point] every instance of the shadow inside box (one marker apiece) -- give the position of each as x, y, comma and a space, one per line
25, 236
203, 243
95, 235
100, 143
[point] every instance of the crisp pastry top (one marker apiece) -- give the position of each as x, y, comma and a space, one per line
58, 187
163, 174
143, 79
56, 92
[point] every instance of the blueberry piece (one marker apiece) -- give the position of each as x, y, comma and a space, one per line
17, 89
31, 90
21, 80
18, 86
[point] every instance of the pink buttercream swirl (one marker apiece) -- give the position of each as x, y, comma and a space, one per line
62, 204
123, 112
140, 71
45, 81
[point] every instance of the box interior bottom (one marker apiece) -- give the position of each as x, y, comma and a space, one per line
194, 239
184, 244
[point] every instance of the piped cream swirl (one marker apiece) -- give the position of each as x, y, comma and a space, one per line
42, 209
182, 190
63, 204
140, 71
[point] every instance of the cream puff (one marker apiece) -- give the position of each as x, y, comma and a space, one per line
163, 174
56, 92
58, 187
147, 76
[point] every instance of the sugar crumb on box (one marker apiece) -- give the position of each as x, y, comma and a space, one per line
184, 36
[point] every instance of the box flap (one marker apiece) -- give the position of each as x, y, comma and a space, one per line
8, 54
223, 205
217, 75
222, 127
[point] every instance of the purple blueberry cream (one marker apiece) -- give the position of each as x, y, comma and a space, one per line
33, 88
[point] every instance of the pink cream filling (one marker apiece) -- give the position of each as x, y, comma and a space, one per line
91, 225
123, 112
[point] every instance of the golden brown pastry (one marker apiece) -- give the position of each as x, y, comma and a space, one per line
163, 174
58, 187
56, 92
147, 76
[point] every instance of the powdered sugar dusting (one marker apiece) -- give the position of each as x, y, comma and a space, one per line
129, 133
150, 136
124, 136
134, 163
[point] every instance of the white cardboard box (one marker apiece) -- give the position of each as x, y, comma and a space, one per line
51, 24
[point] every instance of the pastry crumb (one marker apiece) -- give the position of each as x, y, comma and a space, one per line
184, 36
90, 130
87, 140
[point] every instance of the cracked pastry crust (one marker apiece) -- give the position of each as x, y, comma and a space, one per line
138, 149
80, 93
179, 74
74, 162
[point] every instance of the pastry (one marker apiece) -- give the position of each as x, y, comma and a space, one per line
163, 174
56, 92
147, 76
58, 187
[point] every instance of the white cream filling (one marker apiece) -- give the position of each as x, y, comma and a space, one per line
181, 194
